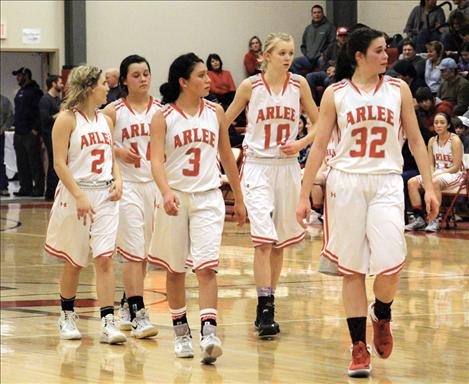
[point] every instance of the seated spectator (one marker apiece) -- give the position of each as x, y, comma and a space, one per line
435, 54
410, 168
454, 88
320, 79
417, 28
222, 86
406, 71
329, 56
253, 56
316, 37
446, 150
463, 63
452, 40
409, 54
428, 106
302, 132
461, 127
115, 90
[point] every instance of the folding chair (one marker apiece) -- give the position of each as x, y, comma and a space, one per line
452, 195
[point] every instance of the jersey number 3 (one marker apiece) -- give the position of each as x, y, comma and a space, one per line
361, 140
194, 161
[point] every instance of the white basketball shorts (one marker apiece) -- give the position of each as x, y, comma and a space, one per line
364, 223
67, 237
191, 239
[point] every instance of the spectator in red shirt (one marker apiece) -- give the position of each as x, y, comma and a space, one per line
222, 86
251, 58
428, 106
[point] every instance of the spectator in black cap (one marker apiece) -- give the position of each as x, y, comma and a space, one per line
27, 140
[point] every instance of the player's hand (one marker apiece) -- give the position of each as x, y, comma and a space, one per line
128, 155
291, 149
116, 190
171, 203
303, 212
84, 209
432, 205
240, 213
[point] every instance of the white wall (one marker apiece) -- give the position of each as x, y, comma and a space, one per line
46, 15
162, 30
388, 16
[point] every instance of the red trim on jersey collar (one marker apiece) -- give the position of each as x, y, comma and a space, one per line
284, 85
127, 104
354, 87
380, 82
84, 116
176, 108
202, 105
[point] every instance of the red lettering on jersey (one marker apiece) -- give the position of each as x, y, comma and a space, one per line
390, 117
370, 113
212, 139
177, 142
381, 113
99, 137
350, 119
270, 113
125, 134
143, 131
205, 134
84, 141
197, 139
134, 130
361, 114
92, 137
107, 138
260, 116
187, 136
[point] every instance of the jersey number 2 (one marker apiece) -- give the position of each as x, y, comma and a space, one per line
194, 161
361, 141
96, 163
147, 155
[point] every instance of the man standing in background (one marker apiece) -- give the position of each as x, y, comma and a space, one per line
49, 107
27, 140
316, 37
6, 121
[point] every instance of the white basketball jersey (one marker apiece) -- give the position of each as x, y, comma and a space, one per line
132, 129
191, 148
443, 153
272, 118
332, 144
90, 149
370, 128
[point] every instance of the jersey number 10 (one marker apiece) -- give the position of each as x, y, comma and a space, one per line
281, 128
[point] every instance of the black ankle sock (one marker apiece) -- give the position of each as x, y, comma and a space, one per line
382, 310
106, 311
67, 304
417, 212
180, 320
357, 329
124, 299
264, 300
209, 321
135, 305
318, 210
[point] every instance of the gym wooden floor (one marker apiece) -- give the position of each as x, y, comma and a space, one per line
431, 317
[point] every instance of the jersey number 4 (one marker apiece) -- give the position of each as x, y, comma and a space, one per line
147, 155
361, 140
281, 128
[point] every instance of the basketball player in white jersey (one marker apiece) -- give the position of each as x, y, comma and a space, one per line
445, 151
364, 200
271, 175
85, 210
185, 139
132, 116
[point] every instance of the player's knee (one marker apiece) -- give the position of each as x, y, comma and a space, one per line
175, 276
103, 264
413, 183
205, 274
436, 183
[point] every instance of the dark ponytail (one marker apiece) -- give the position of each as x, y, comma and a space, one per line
358, 40
181, 67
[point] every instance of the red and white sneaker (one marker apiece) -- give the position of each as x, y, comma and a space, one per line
360, 366
382, 334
